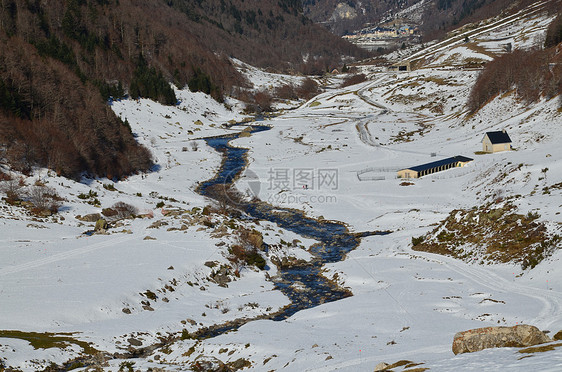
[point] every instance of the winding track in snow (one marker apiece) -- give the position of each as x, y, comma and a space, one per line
65, 255
486, 280
458, 39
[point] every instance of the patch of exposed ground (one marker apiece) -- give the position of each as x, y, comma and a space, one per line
491, 233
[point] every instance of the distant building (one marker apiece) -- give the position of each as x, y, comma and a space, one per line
404, 66
381, 32
496, 142
433, 167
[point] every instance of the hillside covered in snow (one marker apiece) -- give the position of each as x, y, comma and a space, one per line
179, 281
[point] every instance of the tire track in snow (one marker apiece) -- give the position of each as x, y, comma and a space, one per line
64, 255
459, 39
551, 300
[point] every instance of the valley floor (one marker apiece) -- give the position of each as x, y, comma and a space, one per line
335, 157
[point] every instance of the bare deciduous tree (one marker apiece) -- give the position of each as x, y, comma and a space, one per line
44, 198
124, 210
12, 188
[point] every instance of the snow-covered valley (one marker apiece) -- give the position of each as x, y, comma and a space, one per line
139, 294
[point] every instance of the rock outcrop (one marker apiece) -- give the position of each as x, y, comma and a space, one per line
93, 217
491, 337
101, 226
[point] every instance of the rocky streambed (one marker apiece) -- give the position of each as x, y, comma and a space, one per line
304, 283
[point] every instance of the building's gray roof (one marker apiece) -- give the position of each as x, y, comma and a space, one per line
439, 163
498, 137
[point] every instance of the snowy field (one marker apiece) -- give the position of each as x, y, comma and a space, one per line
334, 157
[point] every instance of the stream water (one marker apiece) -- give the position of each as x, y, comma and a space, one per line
303, 284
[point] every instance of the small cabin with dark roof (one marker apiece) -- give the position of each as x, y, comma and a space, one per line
496, 141
433, 167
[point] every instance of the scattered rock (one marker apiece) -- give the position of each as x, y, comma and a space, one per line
148, 237
157, 224
288, 262
126, 310
147, 308
557, 336
221, 277
172, 212
493, 337
101, 226
239, 364
44, 213
109, 212
134, 342
93, 217
381, 367
191, 321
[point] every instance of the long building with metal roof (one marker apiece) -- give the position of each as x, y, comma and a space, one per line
433, 167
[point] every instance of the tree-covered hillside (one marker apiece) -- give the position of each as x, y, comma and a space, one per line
60, 61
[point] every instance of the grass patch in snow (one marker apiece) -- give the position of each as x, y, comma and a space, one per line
406, 364
491, 233
49, 340
540, 349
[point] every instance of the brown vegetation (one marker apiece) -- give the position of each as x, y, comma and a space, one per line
124, 210
44, 199
308, 89
262, 100
531, 74
246, 251
445, 15
352, 80
12, 189
60, 61
440, 16
286, 92
490, 233
554, 32
258, 102
226, 197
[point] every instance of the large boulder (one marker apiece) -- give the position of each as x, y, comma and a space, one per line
491, 337
101, 226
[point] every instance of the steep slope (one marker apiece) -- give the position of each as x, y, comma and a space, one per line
61, 60
267, 34
434, 17
342, 17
